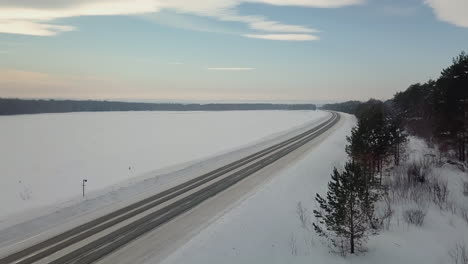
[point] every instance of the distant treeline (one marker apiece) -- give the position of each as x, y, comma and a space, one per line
21, 106
345, 107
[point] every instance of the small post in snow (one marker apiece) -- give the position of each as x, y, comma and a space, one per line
84, 180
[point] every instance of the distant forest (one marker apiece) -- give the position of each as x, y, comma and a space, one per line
345, 107
20, 106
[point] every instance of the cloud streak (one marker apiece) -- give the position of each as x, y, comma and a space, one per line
24, 27
36, 17
230, 69
284, 37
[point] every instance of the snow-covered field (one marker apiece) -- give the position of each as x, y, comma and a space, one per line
43, 158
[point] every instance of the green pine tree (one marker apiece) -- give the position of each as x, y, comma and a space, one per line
396, 134
343, 215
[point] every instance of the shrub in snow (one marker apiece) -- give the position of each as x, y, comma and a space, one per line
459, 254
418, 172
293, 245
439, 192
26, 193
386, 212
416, 182
303, 215
464, 214
414, 216
344, 217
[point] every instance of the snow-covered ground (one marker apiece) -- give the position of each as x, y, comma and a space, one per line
259, 229
265, 228
445, 224
123, 155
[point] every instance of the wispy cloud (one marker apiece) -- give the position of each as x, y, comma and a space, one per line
33, 17
284, 37
261, 23
187, 22
230, 69
451, 11
312, 3
31, 28
273, 26
175, 63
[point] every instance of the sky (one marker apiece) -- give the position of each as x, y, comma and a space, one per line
225, 50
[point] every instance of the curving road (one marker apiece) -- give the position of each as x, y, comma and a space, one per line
93, 240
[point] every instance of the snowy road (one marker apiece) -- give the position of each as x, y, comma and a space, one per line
93, 240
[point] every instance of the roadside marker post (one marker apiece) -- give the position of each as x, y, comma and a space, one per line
84, 181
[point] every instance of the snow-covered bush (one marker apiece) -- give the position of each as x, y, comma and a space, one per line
459, 253
302, 215
417, 183
293, 245
385, 212
414, 216
464, 214
439, 191
417, 172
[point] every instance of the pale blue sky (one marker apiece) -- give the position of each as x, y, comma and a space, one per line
225, 49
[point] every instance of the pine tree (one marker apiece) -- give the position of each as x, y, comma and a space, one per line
451, 104
369, 140
359, 147
343, 215
397, 134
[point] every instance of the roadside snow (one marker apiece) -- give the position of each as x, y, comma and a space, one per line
265, 228
125, 156
444, 225
259, 229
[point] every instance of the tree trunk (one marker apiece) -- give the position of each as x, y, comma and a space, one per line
351, 235
397, 154
463, 148
381, 171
